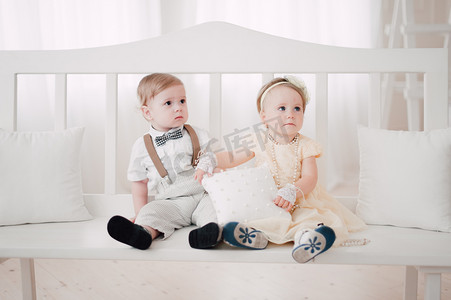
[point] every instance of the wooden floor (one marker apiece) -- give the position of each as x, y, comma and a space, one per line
82, 279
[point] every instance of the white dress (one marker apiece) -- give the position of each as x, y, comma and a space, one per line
318, 207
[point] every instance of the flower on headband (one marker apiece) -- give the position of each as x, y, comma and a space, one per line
299, 83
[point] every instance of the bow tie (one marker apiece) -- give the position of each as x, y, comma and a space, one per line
162, 139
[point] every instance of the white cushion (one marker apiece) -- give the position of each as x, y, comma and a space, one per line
405, 178
243, 194
40, 177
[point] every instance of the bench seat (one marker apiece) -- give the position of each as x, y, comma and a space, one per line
89, 240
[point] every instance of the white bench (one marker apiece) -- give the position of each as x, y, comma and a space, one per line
215, 49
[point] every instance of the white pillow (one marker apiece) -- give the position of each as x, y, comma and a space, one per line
40, 177
405, 178
244, 194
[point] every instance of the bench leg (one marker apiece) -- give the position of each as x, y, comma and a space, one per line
432, 288
28, 279
411, 283
432, 281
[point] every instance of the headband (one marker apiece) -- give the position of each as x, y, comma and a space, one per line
299, 83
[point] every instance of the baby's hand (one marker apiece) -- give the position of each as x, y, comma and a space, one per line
281, 202
286, 197
199, 175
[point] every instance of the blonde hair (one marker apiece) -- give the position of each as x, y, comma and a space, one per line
277, 81
153, 84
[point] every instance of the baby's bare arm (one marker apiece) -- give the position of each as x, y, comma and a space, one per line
139, 194
309, 176
230, 159
224, 160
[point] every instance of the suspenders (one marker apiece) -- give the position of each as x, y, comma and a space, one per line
156, 159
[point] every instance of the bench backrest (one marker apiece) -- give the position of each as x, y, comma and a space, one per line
216, 50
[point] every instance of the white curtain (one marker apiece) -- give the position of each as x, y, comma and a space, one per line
55, 24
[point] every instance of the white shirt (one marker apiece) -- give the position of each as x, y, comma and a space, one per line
175, 155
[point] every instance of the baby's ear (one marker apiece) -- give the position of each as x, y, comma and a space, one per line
146, 112
262, 115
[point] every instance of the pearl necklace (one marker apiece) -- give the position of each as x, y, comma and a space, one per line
295, 141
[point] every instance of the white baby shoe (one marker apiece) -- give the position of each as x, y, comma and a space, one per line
309, 243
